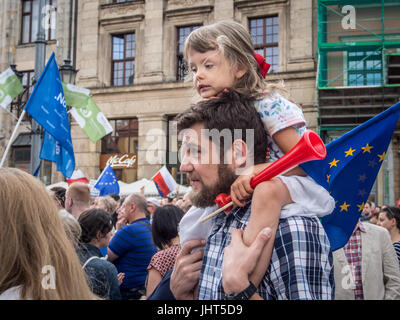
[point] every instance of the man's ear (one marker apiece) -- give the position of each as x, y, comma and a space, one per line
239, 153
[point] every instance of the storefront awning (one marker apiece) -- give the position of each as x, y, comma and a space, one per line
23, 140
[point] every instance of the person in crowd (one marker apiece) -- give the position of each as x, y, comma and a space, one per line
115, 196
368, 209
221, 57
38, 261
106, 203
152, 205
71, 226
389, 218
165, 236
366, 268
186, 203
59, 196
132, 247
288, 276
103, 277
77, 198
374, 217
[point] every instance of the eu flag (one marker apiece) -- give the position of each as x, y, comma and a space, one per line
47, 106
107, 183
349, 171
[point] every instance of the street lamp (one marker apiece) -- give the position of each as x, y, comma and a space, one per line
68, 72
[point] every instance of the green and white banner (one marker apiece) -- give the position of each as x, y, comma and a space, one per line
86, 112
10, 87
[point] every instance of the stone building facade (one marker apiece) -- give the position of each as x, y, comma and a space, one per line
142, 104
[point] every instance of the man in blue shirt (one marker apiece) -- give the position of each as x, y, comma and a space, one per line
132, 246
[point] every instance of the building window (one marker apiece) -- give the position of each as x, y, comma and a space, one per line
182, 68
122, 141
30, 17
120, 1
364, 68
123, 59
27, 83
264, 34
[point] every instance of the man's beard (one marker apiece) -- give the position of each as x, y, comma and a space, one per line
206, 196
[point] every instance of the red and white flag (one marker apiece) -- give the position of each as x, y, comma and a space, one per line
164, 181
77, 176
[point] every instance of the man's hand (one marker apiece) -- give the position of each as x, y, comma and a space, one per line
186, 273
120, 223
240, 260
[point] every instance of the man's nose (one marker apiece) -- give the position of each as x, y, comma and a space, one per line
186, 164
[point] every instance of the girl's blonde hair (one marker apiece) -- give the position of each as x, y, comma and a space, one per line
233, 41
31, 238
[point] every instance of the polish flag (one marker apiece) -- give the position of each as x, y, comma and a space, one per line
77, 176
164, 181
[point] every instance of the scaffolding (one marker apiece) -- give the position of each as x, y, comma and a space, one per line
358, 72
358, 43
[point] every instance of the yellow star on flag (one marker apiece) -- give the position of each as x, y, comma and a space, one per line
333, 163
367, 148
349, 152
382, 156
328, 176
361, 207
344, 207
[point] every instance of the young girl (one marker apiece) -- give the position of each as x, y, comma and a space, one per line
221, 57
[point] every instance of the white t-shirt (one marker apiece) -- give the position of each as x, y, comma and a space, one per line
14, 293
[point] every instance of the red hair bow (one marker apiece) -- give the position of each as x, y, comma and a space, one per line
262, 65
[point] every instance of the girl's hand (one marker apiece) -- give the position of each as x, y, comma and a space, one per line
241, 189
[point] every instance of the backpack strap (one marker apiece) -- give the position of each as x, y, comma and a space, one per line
88, 260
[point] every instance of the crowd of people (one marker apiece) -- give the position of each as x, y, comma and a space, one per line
125, 244
63, 244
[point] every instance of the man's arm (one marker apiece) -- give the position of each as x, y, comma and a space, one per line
240, 261
186, 272
111, 256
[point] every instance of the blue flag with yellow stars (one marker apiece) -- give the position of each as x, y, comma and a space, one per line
349, 170
107, 183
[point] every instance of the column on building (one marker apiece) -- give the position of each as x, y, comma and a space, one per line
153, 34
152, 144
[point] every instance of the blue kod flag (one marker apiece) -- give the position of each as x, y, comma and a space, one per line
47, 106
51, 151
349, 171
107, 183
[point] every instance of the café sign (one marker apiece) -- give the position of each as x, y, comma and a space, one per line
119, 161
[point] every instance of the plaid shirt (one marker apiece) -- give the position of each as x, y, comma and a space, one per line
352, 250
301, 265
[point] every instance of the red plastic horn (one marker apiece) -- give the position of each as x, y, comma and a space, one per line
310, 147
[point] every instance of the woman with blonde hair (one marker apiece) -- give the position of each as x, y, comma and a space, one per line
38, 260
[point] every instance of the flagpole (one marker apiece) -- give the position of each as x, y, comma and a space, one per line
40, 57
12, 138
